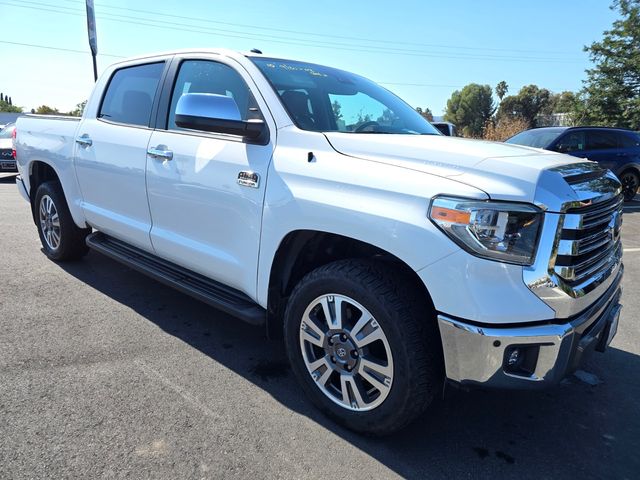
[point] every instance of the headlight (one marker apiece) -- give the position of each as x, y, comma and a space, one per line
506, 232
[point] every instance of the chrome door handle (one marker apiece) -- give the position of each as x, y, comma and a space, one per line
160, 152
84, 140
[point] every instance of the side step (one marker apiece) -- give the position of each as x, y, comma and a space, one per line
209, 291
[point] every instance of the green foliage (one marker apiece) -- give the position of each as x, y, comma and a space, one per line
501, 89
530, 102
470, 108
426, 113
79, 110
612, 88
565, 102
6, 104
46, 110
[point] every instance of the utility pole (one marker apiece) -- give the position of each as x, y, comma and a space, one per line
93, 37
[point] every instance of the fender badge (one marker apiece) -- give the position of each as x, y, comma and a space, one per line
248, 179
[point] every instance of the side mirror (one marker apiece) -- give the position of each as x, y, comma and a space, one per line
215, 113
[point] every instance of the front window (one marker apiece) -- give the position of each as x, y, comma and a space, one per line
324, 99
205, 76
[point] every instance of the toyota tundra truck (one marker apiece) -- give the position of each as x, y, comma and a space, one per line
315, 203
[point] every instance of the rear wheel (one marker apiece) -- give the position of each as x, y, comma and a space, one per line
61, 238
630, 183
364, 345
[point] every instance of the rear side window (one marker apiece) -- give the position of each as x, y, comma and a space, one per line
601, 140
629, 140
130, 94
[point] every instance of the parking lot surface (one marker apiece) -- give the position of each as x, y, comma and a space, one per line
104, 372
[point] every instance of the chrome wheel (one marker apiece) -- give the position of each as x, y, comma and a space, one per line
346, 352
49, 222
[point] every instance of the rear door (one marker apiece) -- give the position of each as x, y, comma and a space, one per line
203, 218
602, 147
111, 154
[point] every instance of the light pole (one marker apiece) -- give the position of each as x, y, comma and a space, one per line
93, 37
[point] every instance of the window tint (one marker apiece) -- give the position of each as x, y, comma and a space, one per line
601, 140
629, 140
574, 141
537, 137
130, 94
204, 76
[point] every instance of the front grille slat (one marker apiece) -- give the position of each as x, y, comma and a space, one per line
589, 241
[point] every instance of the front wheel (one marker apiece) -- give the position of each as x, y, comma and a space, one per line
364, 345
61, 238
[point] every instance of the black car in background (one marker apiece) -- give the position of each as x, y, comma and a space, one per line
614, 148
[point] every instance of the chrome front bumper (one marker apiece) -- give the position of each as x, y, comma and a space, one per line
479, 355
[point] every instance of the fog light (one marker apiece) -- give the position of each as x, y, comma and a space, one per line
514, 357
521, 359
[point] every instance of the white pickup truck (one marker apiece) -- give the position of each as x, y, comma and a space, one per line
314, 202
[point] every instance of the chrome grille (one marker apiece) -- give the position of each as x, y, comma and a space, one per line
589, 242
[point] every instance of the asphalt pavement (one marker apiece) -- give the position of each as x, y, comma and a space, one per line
106, 373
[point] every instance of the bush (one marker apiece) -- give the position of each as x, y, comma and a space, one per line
500, 130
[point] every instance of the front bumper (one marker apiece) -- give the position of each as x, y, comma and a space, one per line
547, 352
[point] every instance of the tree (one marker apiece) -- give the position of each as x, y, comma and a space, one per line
564, 102
501, 89
6, 105
612, 88
426, 113
79, 110
470, 108
527, 104
46, 110
500, 130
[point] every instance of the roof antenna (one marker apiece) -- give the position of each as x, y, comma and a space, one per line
255, 50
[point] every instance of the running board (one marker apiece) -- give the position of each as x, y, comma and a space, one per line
220, 296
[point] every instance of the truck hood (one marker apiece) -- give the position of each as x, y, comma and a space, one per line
505, 172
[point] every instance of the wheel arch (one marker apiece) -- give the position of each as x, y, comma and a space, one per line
41, 171
302, 251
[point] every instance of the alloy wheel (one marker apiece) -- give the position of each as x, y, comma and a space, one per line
49, 222
346, 352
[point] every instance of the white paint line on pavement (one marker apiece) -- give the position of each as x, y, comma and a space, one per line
628, 250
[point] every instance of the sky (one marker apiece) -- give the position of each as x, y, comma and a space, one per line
422, 50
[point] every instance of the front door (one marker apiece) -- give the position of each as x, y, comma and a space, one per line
203, 218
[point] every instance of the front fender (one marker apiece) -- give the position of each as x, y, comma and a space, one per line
316, 188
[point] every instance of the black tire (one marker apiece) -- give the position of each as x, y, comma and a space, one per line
630, 183
70, 243
407, 320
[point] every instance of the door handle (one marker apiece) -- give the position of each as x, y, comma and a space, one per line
160, 152
84, 140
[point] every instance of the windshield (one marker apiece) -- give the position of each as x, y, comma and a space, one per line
7, 131
540, 138
324, 99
